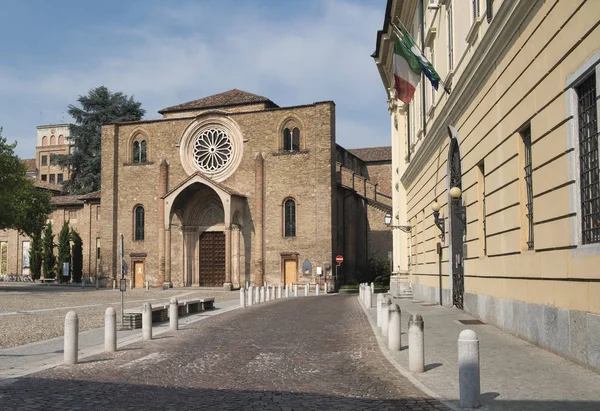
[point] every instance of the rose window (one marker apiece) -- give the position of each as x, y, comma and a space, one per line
212, 150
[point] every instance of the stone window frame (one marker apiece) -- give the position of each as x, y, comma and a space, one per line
284, 217
138, 232
45, 140
52, 140
291, 121
44, 160
590, 67
138, 136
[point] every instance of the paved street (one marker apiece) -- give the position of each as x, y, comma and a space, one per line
314, 353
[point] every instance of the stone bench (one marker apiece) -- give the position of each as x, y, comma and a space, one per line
199, 304
47, 280
132, 318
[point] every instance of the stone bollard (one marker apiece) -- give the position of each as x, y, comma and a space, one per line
114, 284
131, 284
110, 330
250, 295
360, 292
368, 297
242, 297
379, 314
279, 292
257, 295
268, 293
325, 288
416, 344
147, 321
147, 285
295, 290
394, 328
468, 369
82, 282
271, 293
306, 289
71, 343
385, 315
97, 283
262, 294
173, 314
372, 288
317, 289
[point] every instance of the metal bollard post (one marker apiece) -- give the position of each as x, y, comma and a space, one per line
110, 330
174, 314
317, 289
368, 297
147, 321
71, 342
242, 297
394, 328
468, 369
385, 315
250, 295
416, 344
306, 289
379, 314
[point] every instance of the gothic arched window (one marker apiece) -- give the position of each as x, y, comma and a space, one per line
139, 152
138, 223
289, 217
291, 139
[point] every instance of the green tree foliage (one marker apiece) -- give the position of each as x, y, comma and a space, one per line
98, 107
77, 257
35, 255
22, 206
64, 251
48, 258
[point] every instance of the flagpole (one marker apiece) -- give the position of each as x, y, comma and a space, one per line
414, 43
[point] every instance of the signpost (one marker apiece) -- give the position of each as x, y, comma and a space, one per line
123, 284
339, 259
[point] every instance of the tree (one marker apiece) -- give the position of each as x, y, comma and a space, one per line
77, 251
98, 107
35, 255
48, 258
22, 206
64, 251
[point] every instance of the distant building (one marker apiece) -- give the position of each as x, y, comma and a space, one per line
52, 139
509, 158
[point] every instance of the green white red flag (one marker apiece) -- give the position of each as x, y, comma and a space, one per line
407, 71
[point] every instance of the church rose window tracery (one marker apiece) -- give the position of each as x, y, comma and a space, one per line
212, 150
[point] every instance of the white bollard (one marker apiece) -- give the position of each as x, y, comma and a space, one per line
394, 328
147, 321
416, 344
173, 314
325, 288
267, 293
250, 296
385, 315
306, 289
379, 314
262, 294
242, 297
295, 290
360, 292
271, 293
131, 284
372, 288
468, 369
279, 292
368, 297
110, 330
257, 295
317, 289
287, 291
114, 284
71, 343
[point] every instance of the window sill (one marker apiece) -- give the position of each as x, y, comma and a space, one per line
147, 163
473, 31
289, 153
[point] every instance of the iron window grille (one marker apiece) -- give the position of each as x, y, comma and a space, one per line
139, 223
526, 136
290, 218
588, 160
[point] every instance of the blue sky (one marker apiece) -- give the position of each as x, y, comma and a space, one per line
169, 52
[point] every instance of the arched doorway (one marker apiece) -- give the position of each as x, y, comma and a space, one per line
457, 225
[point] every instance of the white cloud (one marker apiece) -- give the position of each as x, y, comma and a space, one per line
198, 49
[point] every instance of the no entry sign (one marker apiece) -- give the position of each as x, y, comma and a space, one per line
339, 259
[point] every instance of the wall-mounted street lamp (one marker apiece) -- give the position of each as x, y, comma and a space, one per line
388, 221
455, 193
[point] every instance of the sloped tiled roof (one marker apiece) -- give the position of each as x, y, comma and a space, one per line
48, 186
30, 164
373, 153
90, 196
66, 200
233, 97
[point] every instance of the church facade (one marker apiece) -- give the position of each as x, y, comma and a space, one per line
223, 191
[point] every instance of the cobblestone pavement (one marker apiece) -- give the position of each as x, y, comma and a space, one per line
30, 313
311, 353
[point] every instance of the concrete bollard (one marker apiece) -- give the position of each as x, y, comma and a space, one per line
110, 330
468, 369
82, 282
257, 295
279, 292
97, 283
267, 293
306, 289
250, 294
262, 294
368, 297
147, 321
379, 314
71, 343
317, 289
271, 293
416, 344
325, 288
360, 292
147, 285
173, 314
131, 284
295, 290
372, 288
242, 297
287, 291
394, 328
385, 315
114, 284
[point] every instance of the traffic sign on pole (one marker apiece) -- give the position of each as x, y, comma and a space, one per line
339, 259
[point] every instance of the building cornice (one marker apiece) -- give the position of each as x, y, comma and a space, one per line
510, 16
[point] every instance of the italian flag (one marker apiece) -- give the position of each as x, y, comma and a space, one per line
407, 71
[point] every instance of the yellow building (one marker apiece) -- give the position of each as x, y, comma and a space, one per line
52, 139
518, 138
